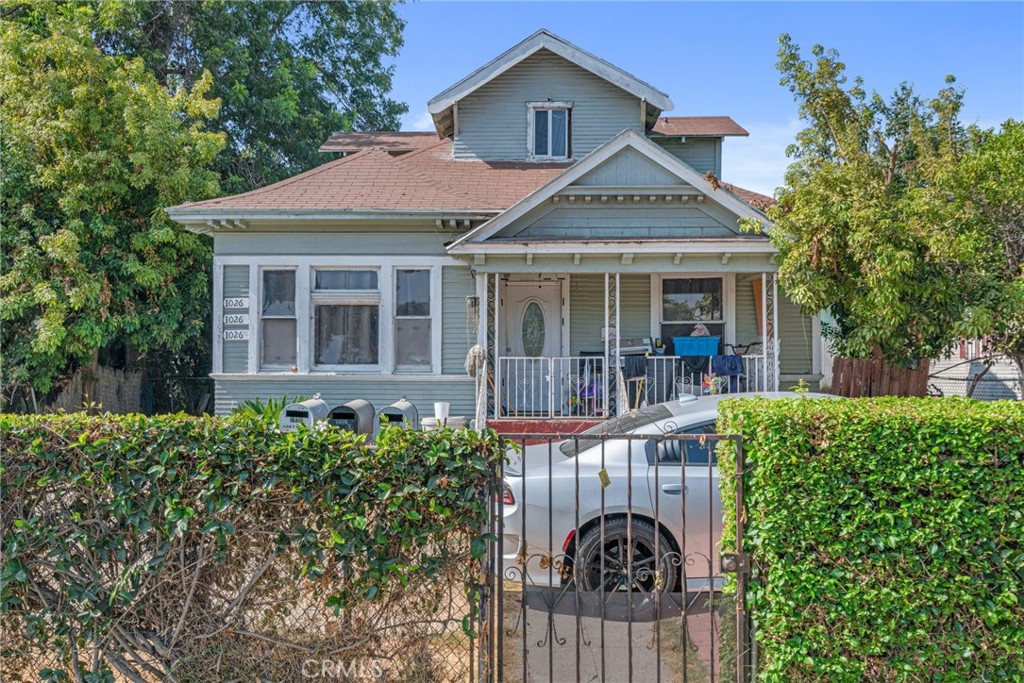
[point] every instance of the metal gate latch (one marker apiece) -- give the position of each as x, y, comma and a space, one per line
734, 563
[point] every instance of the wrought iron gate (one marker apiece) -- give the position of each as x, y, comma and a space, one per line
605, 563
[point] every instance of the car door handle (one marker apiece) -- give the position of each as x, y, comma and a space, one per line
675, 488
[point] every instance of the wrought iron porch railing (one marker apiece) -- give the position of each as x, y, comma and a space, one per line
558, 387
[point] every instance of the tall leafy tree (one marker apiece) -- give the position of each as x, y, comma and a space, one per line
111, 111
859, 225
93, 149
288, 73
985, 192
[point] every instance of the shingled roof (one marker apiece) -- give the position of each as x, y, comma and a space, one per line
393, 142
696, 126
427, 179
373, 179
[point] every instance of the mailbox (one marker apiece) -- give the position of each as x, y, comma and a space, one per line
355, 416
401, 412
306, 413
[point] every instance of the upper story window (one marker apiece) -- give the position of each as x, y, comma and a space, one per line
549, 130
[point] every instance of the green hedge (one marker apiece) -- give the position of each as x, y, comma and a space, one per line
887, 537
148, 531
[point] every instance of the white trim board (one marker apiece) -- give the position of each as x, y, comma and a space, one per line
739, 245
339, 261
545, 40
625, 139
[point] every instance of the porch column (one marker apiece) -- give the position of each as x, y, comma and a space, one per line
493, 309
611, 347
483, 398
769, 329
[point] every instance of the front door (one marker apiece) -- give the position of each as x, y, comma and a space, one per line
531, 333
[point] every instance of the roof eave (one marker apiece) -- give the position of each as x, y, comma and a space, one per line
738, 245
544, 39
211, 220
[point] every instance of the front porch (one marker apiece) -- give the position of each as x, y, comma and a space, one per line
582, 347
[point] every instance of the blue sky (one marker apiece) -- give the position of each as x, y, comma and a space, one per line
719, 58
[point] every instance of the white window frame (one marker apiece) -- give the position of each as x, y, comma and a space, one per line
304, 267
258, 314
411, 369
531, 108
344, 297
728, 304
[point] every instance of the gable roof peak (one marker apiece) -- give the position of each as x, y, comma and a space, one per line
441, 104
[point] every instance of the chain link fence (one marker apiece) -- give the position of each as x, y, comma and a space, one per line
257, 621
988, 378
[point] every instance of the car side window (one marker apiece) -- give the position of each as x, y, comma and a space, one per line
670, 451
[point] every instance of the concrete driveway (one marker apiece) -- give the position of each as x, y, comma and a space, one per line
614, 638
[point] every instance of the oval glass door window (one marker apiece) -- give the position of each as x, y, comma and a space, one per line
533, 329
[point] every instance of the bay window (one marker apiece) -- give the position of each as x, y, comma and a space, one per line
313, 314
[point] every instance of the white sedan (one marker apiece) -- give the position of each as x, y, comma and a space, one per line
558, 526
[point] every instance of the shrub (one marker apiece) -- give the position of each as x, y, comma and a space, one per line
173, 545
886, 537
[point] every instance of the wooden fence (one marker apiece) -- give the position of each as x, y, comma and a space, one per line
856, 377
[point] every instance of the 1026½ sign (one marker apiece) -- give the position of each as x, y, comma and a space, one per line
236, 302
241, 334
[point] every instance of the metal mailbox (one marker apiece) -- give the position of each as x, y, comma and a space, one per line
401, 412
305, 413
356, 416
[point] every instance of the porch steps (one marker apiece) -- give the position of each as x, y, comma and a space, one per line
517, 427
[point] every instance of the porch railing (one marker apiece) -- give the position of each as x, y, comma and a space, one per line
549, 387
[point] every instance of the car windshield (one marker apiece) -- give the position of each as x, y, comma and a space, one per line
623, 424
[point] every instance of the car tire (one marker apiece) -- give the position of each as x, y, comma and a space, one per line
647, 574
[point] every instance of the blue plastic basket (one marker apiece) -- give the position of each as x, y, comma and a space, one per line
696, 346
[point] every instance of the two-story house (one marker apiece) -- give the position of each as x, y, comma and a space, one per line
556, 218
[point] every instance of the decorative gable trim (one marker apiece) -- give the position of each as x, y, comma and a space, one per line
545, 40
627, 138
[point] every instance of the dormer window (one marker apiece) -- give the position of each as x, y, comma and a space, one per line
549, 128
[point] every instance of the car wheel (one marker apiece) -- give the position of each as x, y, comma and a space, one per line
645, 573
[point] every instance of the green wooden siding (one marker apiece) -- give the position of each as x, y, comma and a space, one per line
703, 154
380, 390
629, 167
631, 221
236, 353
586, 314
456, 284
492, 120
796, 336
369, 243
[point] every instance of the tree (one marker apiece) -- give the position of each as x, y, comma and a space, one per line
859, 224
288, 73
93, 149
985, 192
107, 115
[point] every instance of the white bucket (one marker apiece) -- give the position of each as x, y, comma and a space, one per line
429, 423
441, 410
